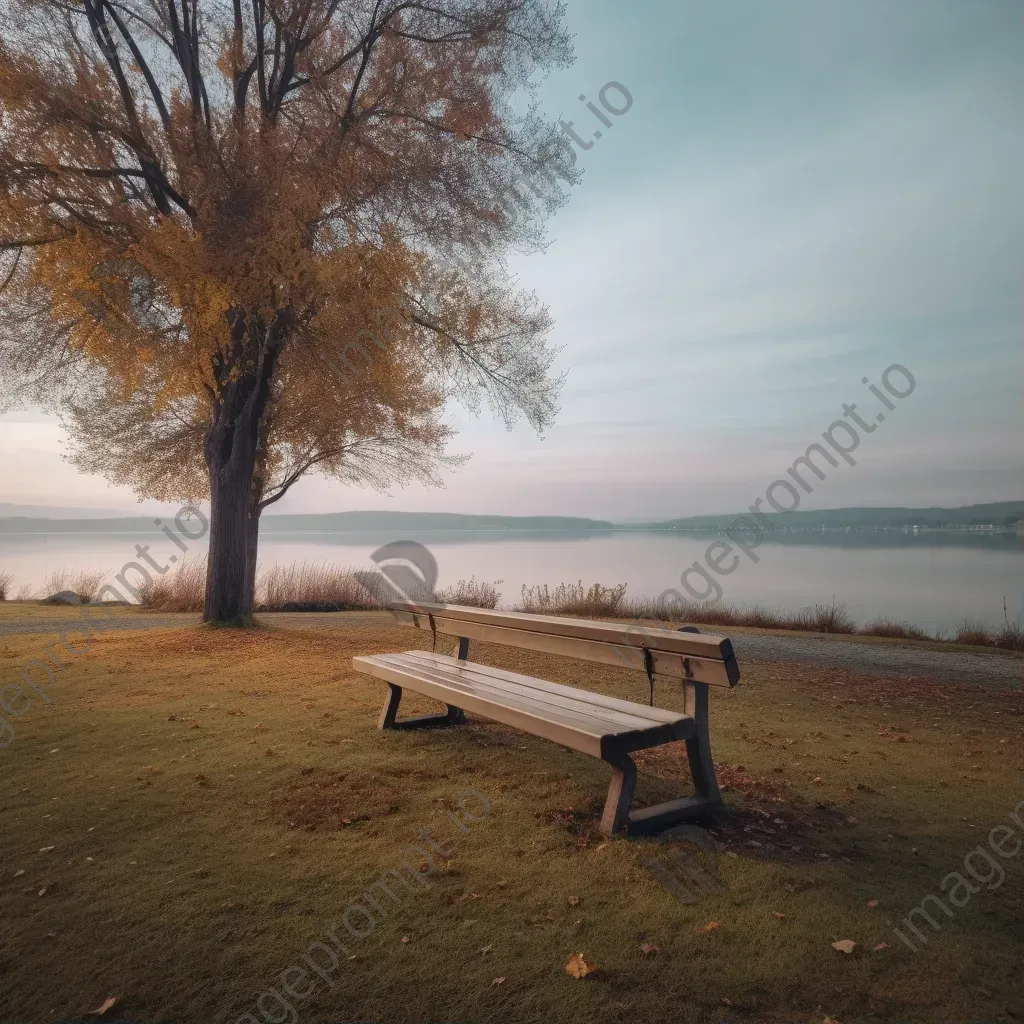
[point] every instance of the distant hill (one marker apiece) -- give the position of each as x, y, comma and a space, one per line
444, 525
393, 524
999, 513
8, 510
431, 521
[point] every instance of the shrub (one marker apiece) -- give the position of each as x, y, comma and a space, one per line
894, 628
315, 587
573, 599
86, 584
1010, 637
6, 579
825, 618
763, 618
471, 593
975, 632
183, 590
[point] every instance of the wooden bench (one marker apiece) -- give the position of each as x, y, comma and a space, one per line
592, 723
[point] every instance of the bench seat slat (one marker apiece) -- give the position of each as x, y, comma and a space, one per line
574, 717
599, 700
514, 700
501, 686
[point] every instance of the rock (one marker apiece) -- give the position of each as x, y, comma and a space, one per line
64, 597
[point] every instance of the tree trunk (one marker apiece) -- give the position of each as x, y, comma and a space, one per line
227, 572
252, 544
231, 449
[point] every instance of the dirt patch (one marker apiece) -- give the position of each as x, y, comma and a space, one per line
339, 801
581, 822
670, 762
795, 834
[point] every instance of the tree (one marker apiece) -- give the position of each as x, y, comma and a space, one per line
204, 206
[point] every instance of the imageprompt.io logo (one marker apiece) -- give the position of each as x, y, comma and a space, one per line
408, 572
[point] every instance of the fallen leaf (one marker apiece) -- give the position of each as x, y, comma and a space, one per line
872, 903
498, 981
484, 950
42, 892
710, 926
574, 901
817, 779
108, 1005
578, 967
648, 949
881, 946
844, 945
404, 939
779, 915
19, 872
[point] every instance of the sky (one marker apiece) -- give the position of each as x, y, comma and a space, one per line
803, 194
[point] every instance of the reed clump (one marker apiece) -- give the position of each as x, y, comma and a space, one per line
311, 586
573, 599
182, 590
894, 629
974, 632
471, 593
85, 584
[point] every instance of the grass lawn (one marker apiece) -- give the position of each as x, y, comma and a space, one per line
196, 809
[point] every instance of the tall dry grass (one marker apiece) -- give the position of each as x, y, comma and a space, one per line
573, 599
180, 591
471, 593
822, 618
974, 632
322, 587
6, 581
85, 583
318, 587
297, 587
894, 629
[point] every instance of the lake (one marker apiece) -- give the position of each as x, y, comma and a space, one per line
932, 579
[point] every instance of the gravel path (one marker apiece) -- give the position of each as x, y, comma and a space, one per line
993, 670
996, 671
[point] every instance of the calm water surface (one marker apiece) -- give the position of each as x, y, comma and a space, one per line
932, 580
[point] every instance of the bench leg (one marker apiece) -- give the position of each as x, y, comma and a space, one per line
707, 797
388, 720
698, 746
620, 793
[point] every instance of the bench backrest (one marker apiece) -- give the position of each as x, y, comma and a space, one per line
665, 653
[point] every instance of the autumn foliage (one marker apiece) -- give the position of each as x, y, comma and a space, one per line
205, 204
